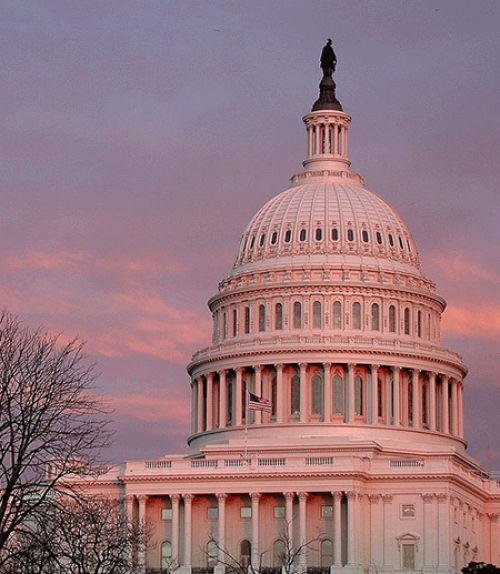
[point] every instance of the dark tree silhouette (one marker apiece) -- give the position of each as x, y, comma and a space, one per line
480, 568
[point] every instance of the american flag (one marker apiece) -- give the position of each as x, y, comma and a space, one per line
256, 403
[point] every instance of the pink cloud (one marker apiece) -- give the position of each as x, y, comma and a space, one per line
153, 408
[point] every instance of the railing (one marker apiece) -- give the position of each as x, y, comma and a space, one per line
272, 462
204, 463
158, 464
319, 460
407, 463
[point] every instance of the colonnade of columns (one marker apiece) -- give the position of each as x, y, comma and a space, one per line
325, 136
371, 394
342, 533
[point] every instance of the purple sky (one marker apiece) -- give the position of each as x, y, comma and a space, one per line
139, 137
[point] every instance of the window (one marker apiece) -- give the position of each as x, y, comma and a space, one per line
316, 315
246, 512
408, 556
295, 398
407, 511
278, 316
212, 513
262, 318
400, 242
327, 511
391, 240
419, 323
338, 395
350, 235
235, 323
365, 236
379, 238
224, 325
166, 514
297, 315
245, 553
337, 315
262, 240
407, 321
356, 316
247, 320
212, 553
166, 554
279, 553
392, 319
326, 553
229, 413
335, 234
302, 235
252, 243
358, 395
279, 512
274, 238
215, 334
288, 235
319, 234
317, 395
375, 317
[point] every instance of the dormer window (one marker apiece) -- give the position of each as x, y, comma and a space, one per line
262, 240
391, 240
335, 234
350, 235
319, 234
288, 235
379, 238
274, 238
365, 236
303, 235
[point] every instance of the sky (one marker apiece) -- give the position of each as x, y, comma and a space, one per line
139, 137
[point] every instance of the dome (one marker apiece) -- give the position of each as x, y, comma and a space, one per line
334, 221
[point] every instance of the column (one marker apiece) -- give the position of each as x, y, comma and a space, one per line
351, 526
396, 396
141, 553
495, 533
210, 404
222, 399
199, 382
444, 521
255, 496
318, 131
445, 405
416, 398
430, 538
280, 395
221, 540
350, 393
376, 520
454, 407
374, 393
175, 498
335, 139
258, 391
432, 401
188, 498
337, 528
129, 519
460, 409
194, 422
327, 388
302, 530
289, 496
238, 396
387, 526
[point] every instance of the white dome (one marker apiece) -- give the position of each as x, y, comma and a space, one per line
335, 221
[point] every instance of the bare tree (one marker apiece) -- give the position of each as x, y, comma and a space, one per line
88, 535
289, 558
49, 418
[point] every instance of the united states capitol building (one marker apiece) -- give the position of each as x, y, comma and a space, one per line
353, 449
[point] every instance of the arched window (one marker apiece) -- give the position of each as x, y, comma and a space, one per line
229, 398
317, 395
365, 236
245, 553
274, 238
380, 395
212, 553
425, 404
326, 553
302, 235
337, 315
297, 315
279, 554
419, 323
295, 398
224, 325
335, 234
247, 320
379, 238
274, 395
252, 243
391, 240
262, 240
350, 235
392, 319
401, 245
375, 317
319, 234
316, 315
358, 395
338, 395
288, 235
166, 555
407, 321
262, 318
278, 317
356, 315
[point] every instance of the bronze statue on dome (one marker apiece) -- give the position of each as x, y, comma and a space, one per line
328, 59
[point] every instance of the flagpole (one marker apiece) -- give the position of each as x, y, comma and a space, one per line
247, 412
